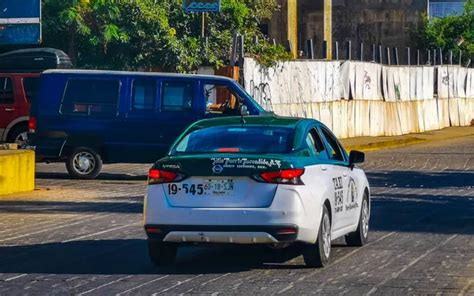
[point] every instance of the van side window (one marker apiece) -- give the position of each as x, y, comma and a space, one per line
177, 96
220, 99
31, 87
6, 91
143, 94
91, 97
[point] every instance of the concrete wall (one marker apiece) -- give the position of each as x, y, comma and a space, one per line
365, 99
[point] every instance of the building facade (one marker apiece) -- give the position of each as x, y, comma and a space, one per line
391, 23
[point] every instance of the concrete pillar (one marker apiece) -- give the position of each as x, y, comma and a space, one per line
292, 29
328, 27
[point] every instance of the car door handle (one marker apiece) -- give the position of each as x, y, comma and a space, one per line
9, 109
323, 168
345, 175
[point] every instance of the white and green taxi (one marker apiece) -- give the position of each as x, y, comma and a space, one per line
257, 180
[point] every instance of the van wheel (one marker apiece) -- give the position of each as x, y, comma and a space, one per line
18, 135
84, 163
162, 253
361, 236
317, 255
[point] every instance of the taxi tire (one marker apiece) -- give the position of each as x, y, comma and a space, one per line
313, 254
162, 253
70, 165
357, 238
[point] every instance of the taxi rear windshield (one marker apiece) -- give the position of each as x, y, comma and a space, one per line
236, 140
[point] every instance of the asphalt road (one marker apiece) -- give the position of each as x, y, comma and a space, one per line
85, 237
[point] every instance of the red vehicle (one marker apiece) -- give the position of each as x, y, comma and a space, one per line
16, 92
19, 82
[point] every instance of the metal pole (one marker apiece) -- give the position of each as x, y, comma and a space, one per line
203, 24
349, 50
418, 57
374, 49
395, 56
380, 54
234, 49
429, 57
450, 57
434, 57
289, 46
324, 50
440, 56
388, 56
460, 58
361, 49
310, 48
408, 56
336, 48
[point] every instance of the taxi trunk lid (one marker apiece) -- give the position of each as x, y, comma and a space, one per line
221, 180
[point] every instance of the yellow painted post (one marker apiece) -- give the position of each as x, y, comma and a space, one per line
328, 27
293, 26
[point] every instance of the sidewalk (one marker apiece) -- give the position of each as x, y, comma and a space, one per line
376, 143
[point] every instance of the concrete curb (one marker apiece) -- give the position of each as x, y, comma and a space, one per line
17, 171
427, 137
387, 144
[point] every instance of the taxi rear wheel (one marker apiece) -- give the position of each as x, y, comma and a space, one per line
317, 255
361, 236
162, 253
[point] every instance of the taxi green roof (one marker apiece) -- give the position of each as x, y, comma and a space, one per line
268, 120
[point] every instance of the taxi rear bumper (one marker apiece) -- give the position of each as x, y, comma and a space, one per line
234, 234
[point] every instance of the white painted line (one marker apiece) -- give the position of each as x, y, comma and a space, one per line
25, 20
215, 279
59, 227
177, 284
97, 233
144, 284
105, 285
291, 285
413, 262
16, 277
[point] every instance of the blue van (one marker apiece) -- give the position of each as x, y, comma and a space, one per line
87, 117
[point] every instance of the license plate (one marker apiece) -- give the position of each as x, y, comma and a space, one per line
206, 187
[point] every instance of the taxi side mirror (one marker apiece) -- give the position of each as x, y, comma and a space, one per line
356, 157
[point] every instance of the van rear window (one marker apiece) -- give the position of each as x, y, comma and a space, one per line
91, 97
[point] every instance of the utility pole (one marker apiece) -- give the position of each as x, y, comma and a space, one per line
328, 27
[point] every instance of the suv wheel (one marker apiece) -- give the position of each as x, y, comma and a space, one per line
84, 163
317, 255
18, 135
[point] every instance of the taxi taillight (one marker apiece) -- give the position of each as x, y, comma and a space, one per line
289, 176
156, 176
32, 125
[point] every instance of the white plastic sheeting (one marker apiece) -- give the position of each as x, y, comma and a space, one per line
357, 118
365, 99
292, 82
407, 83
470, 84
361, 81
